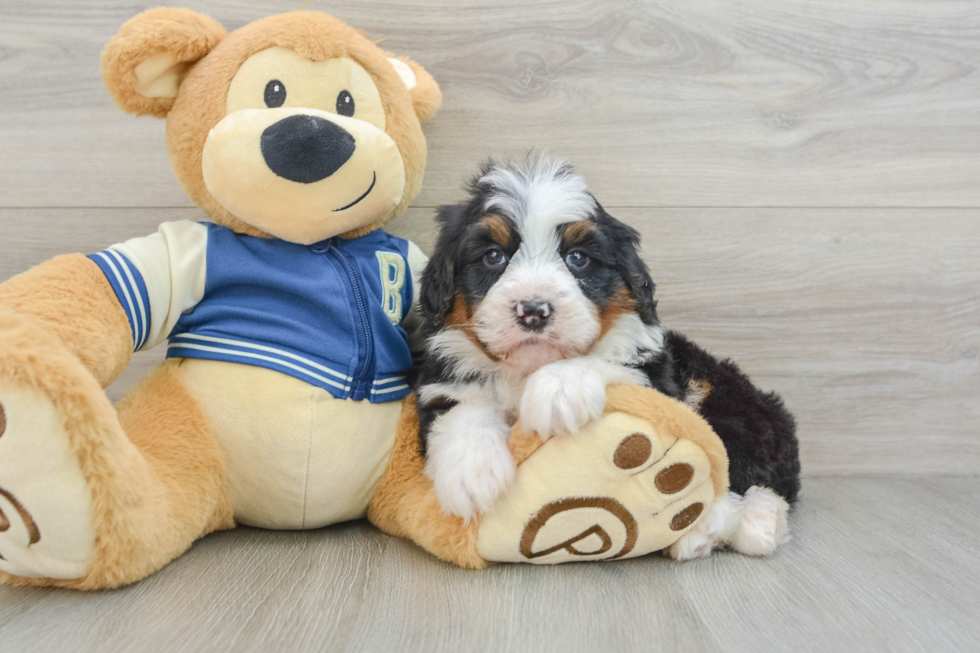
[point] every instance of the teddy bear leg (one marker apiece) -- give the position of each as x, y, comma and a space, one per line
631, 483
92, 499
405, 503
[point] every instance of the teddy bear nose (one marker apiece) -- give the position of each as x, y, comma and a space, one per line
305, 148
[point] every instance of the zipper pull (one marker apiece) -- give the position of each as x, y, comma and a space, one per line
322, 247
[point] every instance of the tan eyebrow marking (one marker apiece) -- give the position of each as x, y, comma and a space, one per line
576, 231
499, 229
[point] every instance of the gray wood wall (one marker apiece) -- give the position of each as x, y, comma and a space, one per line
805, 173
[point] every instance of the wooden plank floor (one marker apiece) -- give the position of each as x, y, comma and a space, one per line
875, 565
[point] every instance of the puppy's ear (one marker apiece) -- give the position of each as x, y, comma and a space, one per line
426, 96
438, 295
145, 62
626, 243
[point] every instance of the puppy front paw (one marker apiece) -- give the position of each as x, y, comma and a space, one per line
468, 460
562, 397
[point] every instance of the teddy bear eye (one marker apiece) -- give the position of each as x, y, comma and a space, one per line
275, 94
345, 104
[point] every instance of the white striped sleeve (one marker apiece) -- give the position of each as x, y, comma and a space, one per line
157, 278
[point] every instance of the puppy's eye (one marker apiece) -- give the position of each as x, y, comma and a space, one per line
495, 257
275, 94
577, 259
345, 104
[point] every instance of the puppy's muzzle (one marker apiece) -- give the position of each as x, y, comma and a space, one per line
305, 148
533, 315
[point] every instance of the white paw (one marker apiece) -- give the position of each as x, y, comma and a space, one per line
763, 525
45, 511
468, 460
709, 533
562, 397
692, 546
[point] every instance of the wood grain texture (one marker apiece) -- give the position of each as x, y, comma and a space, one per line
874, 565
867, 321
700, 103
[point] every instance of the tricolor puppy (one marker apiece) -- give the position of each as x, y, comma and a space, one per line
534, 301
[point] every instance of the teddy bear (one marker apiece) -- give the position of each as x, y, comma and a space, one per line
289, 318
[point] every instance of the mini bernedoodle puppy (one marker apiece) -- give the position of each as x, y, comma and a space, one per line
536, 299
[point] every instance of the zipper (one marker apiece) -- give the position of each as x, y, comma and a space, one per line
364, 373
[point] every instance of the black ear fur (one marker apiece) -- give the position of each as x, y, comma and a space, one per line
439, 277
634, 271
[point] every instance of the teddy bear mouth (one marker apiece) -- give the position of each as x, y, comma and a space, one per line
374, 180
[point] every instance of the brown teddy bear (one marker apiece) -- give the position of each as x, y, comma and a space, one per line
283, 402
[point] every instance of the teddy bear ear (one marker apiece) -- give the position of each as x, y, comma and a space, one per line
426, 96
145, 62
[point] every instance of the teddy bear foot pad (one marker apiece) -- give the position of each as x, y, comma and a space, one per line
45, 511
617, 489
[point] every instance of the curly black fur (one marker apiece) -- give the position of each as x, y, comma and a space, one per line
758, 432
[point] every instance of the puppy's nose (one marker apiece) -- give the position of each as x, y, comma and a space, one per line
306, 148
533, 315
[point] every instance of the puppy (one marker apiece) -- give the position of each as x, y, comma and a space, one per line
534, 301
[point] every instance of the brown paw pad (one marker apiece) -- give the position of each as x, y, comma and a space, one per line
673, 479
633, 451
686, 517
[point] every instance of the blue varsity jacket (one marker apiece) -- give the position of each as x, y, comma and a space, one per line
333, 314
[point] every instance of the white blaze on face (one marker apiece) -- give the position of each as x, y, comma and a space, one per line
540, 195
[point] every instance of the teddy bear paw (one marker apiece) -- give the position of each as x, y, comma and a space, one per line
45, 511
619, 488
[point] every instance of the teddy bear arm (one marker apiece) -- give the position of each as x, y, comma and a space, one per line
70, 298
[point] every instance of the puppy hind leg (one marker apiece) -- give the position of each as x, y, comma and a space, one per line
713, 531
754, 525
763, 525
